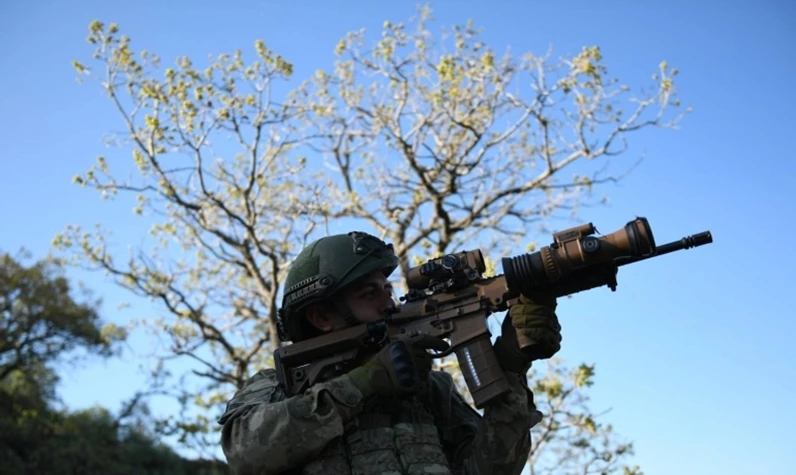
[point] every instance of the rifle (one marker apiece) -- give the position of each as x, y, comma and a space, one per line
449, 298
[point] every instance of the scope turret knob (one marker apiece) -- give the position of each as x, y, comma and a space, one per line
590, 244
429, 268
449, 262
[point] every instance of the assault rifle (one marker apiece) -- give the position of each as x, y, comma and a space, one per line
449, 298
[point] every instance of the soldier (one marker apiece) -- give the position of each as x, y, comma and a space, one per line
390, 414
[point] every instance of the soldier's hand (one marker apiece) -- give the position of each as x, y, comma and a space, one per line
530, 332
399, 369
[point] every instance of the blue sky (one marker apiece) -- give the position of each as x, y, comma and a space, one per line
694, 351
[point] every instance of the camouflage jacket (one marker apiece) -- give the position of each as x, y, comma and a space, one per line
328, 429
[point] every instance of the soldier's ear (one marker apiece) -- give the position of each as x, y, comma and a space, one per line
319, 318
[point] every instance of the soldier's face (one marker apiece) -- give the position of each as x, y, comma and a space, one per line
370, 298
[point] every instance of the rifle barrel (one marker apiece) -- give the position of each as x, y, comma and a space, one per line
694, 240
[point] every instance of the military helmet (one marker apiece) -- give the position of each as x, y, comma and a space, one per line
325, 267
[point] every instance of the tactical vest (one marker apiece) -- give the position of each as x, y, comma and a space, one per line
398, 438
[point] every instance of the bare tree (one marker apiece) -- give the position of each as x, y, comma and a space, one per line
438, 146
432, 143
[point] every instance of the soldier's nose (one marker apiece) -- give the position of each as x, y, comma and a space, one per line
388, 305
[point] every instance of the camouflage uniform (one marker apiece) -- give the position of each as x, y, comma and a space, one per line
330, 430
333, 429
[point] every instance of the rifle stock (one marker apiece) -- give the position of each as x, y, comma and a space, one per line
449, 298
